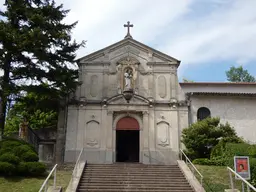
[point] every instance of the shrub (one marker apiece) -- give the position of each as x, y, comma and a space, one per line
6, 168
19, 158
205, 161
20, 150
31, 168
10, 158
29, 156
200, 137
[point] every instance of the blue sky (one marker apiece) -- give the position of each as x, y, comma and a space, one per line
208, 36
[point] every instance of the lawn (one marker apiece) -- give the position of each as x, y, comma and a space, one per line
216, 178
21, 184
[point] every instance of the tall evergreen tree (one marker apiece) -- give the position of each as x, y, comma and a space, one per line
36, 51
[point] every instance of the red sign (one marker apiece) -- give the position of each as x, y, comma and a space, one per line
242, 167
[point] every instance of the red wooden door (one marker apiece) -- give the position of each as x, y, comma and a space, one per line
127, 123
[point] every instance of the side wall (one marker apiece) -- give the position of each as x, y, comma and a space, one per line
239, 111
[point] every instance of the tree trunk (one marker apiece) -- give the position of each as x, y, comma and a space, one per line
5, 86
2, 115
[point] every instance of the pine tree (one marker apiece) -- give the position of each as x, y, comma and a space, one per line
36, 51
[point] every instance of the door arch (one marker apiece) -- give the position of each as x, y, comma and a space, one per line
127, 123
127, 140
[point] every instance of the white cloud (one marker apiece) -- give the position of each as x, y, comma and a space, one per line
193, 31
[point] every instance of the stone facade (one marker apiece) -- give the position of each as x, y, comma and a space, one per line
160, 105
157, 104
231, 102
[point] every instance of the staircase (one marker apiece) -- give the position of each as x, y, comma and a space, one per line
133, 177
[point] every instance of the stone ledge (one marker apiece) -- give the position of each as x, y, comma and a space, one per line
190, 177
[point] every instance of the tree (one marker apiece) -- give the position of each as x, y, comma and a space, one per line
36, 51
238, 74
200, 137
185, 80
40, 112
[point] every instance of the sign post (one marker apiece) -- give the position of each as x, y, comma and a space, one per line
242, 168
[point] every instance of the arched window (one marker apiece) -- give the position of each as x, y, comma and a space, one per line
203, 113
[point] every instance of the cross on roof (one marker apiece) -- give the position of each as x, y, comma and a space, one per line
128, 25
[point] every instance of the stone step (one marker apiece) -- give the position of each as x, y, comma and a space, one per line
133, 176
134, 190
134, 185
134, 180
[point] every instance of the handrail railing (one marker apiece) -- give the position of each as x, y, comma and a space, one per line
77, 172
45, 184
194, 167
249, 186
77, 162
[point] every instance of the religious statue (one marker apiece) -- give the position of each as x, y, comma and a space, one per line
23, 129
127, 77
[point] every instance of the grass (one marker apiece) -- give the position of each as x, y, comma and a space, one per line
21, 184
216, 178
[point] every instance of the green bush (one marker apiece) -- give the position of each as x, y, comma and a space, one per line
31, 168
205, 161
19, 150
19, 158
200, 137
29, 156
12, 143
10, 158
6, 168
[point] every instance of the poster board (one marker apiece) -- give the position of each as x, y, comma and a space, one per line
242, 167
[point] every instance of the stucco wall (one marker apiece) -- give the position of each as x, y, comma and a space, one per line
239, 111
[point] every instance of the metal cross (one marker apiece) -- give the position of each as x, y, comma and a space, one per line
128, 25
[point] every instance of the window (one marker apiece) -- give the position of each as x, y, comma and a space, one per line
203, 113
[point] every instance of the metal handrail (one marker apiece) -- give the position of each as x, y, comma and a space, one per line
239, 176
188, 160
77, 162
45, 184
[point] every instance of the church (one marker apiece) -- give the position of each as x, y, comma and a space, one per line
131, 107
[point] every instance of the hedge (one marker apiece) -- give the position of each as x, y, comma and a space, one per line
19, 158
6, 169
31, 168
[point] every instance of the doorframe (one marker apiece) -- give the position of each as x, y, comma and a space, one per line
139, 120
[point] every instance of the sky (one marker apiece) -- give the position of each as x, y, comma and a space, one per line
207, 36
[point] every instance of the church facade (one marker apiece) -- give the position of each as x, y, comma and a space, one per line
131, 107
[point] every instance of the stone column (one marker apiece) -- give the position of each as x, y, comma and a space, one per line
174, 84
146, 130
82, 87
80, 131
60, 138
41, 153
151, 84
109, 137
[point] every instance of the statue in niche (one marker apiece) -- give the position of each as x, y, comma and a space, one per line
128, 78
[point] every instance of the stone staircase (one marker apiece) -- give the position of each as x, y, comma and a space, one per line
133, 177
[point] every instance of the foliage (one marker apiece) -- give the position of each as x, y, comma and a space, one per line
6, 168
20, 157
10, 158
31, 168
200, 137
40, 112
185, 80
29, 156
36, 51
238, 74
205, 161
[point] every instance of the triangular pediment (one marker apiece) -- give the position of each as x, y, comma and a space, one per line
128, 46
135, 100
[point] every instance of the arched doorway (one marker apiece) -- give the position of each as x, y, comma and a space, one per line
127, 140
